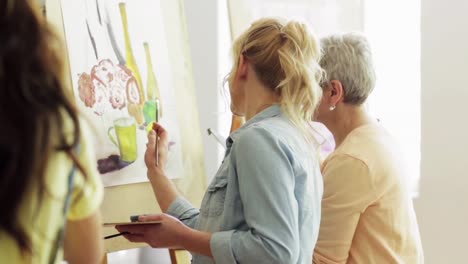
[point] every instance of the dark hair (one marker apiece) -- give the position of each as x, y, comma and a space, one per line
33, 108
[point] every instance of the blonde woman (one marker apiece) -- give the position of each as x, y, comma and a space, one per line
367, 212
263, 206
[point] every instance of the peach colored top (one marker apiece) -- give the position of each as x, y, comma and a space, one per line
367, 210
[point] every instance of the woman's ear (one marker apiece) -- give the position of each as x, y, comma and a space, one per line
337, 92
242, 70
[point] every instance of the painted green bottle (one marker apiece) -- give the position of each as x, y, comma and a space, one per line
135, 103
152, 109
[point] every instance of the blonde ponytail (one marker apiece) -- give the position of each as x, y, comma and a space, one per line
285, 57
300, 90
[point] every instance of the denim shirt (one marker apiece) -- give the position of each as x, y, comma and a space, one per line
263, 206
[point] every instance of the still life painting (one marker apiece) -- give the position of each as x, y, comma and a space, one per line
122, 79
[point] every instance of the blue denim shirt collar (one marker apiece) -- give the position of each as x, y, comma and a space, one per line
268, 112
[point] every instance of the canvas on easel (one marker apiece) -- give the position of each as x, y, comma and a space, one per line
122, 80
165, 48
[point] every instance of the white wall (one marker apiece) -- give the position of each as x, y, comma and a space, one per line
443, 205
208, 28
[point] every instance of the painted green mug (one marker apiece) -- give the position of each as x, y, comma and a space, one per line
125, 129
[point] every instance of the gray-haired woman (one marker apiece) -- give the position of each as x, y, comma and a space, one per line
367, 211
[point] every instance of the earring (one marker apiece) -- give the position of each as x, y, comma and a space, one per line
332, 107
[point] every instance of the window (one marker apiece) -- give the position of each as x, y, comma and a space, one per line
393, 29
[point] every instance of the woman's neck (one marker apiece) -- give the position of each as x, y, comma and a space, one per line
260, 99
347, 120
254, 111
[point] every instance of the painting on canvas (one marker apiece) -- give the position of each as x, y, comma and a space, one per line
122, 79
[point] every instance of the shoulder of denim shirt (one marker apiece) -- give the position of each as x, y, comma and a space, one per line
268, 128
258, 119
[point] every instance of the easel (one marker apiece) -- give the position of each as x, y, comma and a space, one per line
193, 184
178, 256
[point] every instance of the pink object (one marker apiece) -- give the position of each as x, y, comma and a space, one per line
108, 86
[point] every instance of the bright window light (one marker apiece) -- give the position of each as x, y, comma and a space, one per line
393, 29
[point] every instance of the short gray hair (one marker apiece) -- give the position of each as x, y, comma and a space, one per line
348, 58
